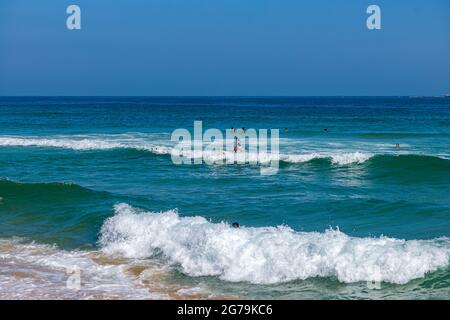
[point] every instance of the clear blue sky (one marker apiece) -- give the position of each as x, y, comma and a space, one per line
224, 47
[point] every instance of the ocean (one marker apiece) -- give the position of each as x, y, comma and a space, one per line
359, 207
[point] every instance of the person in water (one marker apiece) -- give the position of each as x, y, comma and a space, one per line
237, 144
397, 145
244, 130
286, 130
235, 225
325, 129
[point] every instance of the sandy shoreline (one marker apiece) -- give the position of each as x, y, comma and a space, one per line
36, 271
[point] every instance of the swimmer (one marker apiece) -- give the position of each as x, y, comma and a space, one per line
237, 144
244, 130
286, 130
397, 145
235, 225
325, 129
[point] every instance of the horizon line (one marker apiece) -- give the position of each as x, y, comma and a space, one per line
225, 96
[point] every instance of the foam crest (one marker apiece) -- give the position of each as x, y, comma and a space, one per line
160, 146
84, 143
267, 255
348, 158
344, 158
74, 144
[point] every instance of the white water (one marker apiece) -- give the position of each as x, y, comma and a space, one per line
85, 143
35, 271
160, 144
267, 255
127, 141
336, 158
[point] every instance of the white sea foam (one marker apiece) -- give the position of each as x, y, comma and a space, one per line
82, 143
351, 157
160, 145
74, 144
35, 271
343, 158
108, 142
267, 255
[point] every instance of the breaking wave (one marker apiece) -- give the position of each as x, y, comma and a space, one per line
267, 255
82, 144
157, 147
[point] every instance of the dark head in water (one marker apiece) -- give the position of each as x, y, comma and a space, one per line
235, 225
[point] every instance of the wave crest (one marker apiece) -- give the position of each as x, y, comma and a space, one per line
336, 158
102, 143
160, 147
82, 144
267, 255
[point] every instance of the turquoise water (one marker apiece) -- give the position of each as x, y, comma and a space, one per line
94, 176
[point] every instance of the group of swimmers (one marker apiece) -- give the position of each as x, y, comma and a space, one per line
233, 130
244, 130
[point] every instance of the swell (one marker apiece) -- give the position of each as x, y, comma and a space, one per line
373, 160
403, 135
411, 168
62, 213
388, 168
18, 188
